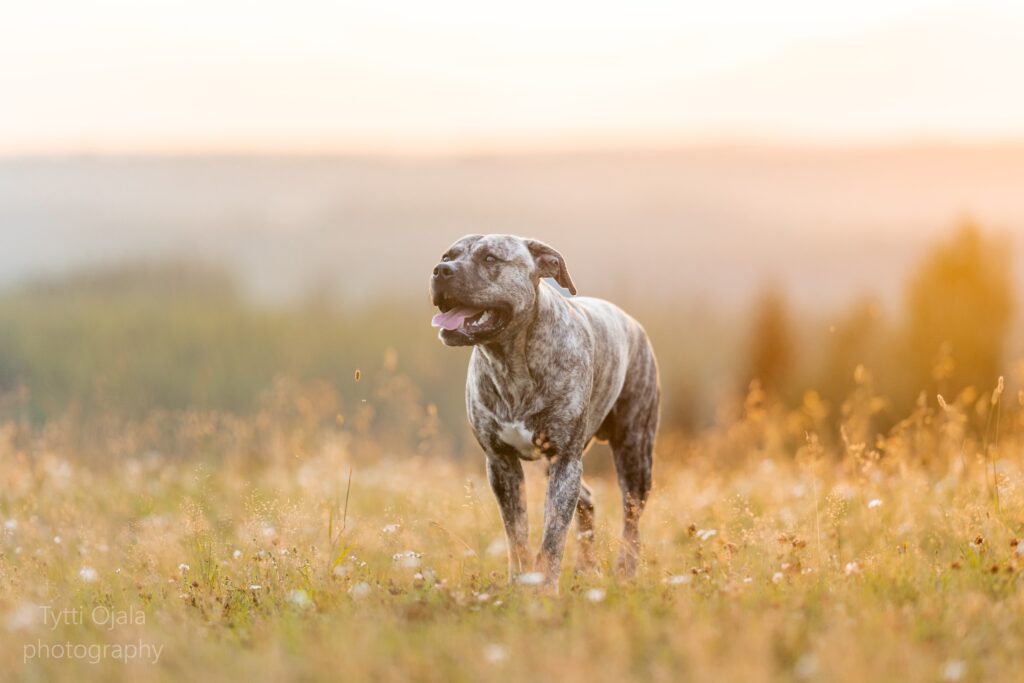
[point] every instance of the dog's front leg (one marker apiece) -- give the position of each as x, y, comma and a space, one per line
505, 474
564, 478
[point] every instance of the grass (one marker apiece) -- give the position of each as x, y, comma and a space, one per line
774, 550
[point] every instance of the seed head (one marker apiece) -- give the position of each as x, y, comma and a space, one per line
998, 391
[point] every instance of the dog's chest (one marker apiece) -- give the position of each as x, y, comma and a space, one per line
519, 437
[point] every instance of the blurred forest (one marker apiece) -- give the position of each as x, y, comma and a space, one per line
132, 287
129, 342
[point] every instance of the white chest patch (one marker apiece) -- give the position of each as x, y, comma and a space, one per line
516, 435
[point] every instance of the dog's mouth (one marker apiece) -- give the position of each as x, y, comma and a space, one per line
467, 319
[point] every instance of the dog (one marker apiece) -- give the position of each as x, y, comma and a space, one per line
548, 374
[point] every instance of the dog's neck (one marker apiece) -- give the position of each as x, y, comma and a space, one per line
509, 356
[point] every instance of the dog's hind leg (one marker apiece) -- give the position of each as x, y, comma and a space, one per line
633, 460
585, 528
631, 427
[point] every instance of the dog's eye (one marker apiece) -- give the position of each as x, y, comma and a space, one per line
446, 257
491, 258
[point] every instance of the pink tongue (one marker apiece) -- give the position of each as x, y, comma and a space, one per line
454, 318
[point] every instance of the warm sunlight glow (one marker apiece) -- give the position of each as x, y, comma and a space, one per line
458, 75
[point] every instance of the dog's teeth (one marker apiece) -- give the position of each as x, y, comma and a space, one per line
483, 318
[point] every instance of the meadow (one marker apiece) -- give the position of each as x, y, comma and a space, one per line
194, 486
232, 447
206, 545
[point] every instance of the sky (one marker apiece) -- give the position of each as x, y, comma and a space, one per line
188, 76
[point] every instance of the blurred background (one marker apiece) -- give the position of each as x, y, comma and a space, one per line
235, 209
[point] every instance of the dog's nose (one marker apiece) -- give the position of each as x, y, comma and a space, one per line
444, 270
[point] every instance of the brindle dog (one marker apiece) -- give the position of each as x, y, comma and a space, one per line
547, 374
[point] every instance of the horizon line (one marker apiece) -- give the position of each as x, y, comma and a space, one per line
988, 143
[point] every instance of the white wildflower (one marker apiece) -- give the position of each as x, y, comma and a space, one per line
88, 574
531, 579
360, 590
874, 503
851, 568
25, 616
806, 667
679, 580
495, 653
954, 670
57, 539
183, 568
408, 559
299, 598
777, 577
11, 525
595, 595
237, 554
706, 534
255, 587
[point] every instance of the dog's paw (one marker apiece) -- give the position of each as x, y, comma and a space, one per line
626, 564
586, 564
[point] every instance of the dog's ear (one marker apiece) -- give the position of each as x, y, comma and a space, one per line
550, 264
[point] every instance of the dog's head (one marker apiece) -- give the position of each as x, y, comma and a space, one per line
486, 286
